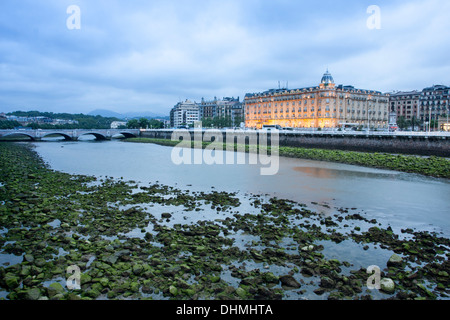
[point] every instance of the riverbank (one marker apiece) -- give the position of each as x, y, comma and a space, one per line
154, 241
430, 166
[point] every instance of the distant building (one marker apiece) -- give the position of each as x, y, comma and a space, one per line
118, 124
2, 116
188, 112
444, 123
184, 114
227, 107
434, 103
405, 104
324, 106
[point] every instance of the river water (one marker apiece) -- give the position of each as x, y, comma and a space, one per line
397, 199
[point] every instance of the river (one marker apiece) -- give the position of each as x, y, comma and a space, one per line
394, 198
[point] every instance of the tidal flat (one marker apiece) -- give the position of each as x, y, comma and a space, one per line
155, 241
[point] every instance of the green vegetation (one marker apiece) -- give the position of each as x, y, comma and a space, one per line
156, 242
145, 123
430, 166
222, 122
84, 121
7, 124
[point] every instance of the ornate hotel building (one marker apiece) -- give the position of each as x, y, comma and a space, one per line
322, 106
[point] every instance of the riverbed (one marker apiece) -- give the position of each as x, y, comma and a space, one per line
154, 229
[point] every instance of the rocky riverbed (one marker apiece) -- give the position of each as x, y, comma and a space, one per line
134, 241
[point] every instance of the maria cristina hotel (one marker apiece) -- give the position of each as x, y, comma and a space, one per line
324, 106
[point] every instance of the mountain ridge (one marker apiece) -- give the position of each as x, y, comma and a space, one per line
127, 115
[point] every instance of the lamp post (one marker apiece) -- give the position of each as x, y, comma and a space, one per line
446, 128
429, 122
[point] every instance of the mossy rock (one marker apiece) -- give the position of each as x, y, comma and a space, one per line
33, 294
173, 290
11, 281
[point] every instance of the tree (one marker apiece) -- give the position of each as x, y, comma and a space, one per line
9, 124
155, 124
133, 124
144, 123
402, 122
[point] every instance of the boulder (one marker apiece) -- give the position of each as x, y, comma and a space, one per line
387, 285
395, 261
241, 293
173, 290
289, 281
33, 294
54, 289
328, 283
28, 258
11, 281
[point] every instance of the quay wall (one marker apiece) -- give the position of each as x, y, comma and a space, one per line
415, 143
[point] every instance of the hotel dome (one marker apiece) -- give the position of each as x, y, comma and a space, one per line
327, 78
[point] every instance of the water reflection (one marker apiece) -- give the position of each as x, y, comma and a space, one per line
328, 173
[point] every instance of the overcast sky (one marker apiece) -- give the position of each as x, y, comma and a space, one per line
146, 55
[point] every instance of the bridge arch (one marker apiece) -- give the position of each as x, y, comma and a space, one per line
98, 136
65, 136
18, 134
128, 134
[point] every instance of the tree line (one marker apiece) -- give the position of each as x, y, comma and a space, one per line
84, 121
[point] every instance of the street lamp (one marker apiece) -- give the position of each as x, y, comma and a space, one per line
429, 122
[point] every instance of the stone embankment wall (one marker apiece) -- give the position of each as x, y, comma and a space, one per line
405, 144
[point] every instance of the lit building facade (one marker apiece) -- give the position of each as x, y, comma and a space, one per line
324, 106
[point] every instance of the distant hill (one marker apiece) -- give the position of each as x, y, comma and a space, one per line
127, 115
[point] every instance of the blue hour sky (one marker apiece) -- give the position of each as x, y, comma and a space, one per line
130, 56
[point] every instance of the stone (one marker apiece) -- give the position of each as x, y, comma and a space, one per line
269, 277
326, 282
137, 269
28, 258
33, 294
11, 281
395, 260
166, 215
241, 293
73, 296
289, 281
307, 248
57, 287
40, 262
173, 290
387, 285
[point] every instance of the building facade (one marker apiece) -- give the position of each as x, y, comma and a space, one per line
405, 104
324, 106
434, 104
229, 107
184, 114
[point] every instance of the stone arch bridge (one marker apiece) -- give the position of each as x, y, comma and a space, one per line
100, 134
